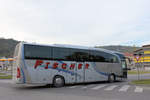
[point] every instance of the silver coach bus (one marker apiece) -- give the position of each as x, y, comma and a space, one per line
62, 64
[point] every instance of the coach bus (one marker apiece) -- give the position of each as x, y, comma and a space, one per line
64, 64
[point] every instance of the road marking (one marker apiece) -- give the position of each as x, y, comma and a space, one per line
138, 89
110, 87
72, 87
98, 87
124, 88
84, 87
87, 86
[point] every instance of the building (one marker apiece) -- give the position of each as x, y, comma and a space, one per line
6, 63
142, 56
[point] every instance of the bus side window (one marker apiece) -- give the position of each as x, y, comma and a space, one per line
79, 55
61, 53
37, 52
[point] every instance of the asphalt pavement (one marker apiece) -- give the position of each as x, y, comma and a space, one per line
94, 91
136, 77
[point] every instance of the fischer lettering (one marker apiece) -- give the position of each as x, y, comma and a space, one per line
56, 65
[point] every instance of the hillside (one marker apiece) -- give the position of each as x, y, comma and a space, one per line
120, 48
7, 47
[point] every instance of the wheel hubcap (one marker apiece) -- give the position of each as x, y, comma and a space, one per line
111, 78
58, 81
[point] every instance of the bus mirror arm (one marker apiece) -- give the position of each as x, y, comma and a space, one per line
127, 68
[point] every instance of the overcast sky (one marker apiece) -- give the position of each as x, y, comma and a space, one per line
77, 22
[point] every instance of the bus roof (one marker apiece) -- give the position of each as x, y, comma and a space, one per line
72, 46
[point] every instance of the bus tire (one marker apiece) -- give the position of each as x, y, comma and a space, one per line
111, 78
58, 81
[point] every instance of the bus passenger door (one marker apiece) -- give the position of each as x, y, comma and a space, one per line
124, 67
80, 72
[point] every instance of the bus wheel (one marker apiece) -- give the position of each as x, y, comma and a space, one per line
111, 78
58, 81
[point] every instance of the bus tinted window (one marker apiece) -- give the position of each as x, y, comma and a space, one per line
61, 53
80, 55
37, 52
96, 56
70, 54
85, 55
110, 58
73, 56
67, 54
99, 56
122, 57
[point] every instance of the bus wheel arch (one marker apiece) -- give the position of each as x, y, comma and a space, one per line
58, 81
111, 78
